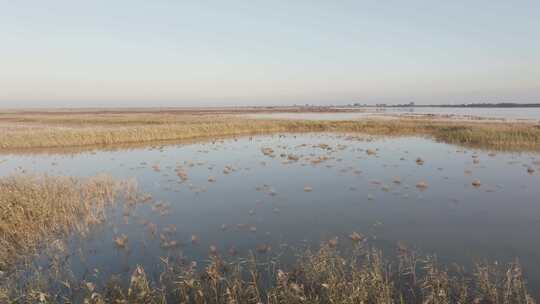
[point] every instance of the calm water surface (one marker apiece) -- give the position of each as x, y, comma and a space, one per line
508, 114
260, 199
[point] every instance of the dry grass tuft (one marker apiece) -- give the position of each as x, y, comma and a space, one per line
35, 209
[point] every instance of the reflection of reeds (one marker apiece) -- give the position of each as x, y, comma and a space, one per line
48, 130
324, 276
35, 209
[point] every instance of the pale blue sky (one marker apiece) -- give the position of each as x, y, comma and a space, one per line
189, 53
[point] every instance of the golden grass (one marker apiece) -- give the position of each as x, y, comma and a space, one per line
25, 131
35, 209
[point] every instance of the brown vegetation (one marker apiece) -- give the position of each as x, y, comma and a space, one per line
362, 275
22, 131
35, 209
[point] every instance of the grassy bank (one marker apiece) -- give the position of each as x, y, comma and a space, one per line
46, 131
37, 209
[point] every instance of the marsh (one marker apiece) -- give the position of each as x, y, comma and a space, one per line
221, 196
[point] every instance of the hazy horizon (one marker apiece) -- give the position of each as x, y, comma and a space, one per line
239, 53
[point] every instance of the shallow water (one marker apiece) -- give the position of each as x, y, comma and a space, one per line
261, 199
507, 114
499, 113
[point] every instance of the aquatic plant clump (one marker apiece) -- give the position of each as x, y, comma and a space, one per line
360, 275
36, 209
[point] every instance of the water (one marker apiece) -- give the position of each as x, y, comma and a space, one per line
262, 199
507, 114
496, 113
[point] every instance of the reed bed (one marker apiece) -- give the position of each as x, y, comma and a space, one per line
39, 209
46, 131
361, 275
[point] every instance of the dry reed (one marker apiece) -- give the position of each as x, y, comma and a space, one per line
362, 275
47, 130
35, 209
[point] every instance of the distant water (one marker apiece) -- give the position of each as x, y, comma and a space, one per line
500, 113
509, 114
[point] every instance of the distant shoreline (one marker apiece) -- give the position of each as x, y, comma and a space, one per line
471, 105
251, 109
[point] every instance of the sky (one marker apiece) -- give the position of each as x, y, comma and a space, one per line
135, 53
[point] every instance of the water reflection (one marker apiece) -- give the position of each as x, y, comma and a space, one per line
506, 114
236, 195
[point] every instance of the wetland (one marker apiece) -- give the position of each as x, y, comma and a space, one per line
224, 206
253, 218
